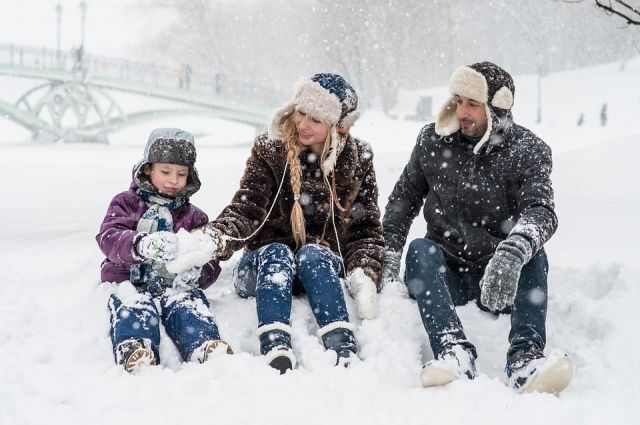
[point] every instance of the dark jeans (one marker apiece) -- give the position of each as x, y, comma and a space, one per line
274, 273
437, 289
186, 317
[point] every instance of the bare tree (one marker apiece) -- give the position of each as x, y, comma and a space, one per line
623, 9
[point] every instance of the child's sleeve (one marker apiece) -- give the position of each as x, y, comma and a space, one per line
209, 274
118, 234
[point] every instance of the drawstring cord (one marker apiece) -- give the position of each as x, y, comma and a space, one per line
275, 198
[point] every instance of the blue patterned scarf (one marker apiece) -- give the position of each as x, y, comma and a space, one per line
152, 274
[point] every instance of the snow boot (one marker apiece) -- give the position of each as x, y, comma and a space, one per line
453, 363
275, 345
210, 349
135, 353
529, 370
338, 336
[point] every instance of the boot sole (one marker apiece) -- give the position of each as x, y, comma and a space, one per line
551, 380
138, 358
281, 363
215, 349
435, 377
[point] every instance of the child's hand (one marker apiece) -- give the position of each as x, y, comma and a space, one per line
158, 246
187, 279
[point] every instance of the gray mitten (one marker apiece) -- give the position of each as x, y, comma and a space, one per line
391, 266
158, 246
188, 279
500, 281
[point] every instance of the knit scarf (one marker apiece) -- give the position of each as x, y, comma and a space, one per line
149, 274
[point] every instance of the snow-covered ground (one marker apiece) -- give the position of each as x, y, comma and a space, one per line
56, 364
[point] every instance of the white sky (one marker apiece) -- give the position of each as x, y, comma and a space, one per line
111, 26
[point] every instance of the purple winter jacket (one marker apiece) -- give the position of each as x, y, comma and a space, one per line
118, 235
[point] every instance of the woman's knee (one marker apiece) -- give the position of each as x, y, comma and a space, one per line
276, 250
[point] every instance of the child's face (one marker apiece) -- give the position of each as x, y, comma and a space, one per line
169, 179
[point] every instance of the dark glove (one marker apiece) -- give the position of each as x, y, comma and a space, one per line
158, 246
391, 266
500, 280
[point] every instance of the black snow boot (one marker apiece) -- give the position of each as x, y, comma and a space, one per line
341, 340
275, 345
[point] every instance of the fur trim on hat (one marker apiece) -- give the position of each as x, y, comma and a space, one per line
503, 98
349, 120
469, 83
311, 98
279, 117
447, 121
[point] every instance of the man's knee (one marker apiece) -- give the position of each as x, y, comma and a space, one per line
423, 249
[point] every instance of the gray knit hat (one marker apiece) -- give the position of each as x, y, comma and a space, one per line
169, 146
484, 82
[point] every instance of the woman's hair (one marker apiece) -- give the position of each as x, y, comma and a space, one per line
294, 148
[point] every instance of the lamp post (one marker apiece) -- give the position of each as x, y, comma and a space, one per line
58, 21
83, 10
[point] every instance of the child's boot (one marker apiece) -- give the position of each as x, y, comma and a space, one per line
210, 349
135, 353
275, 345
338, 336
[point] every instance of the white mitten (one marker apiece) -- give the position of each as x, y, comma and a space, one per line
158, 246
195, 249
364, 291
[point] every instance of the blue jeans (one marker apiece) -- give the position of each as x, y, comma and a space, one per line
437, 289
273, 273
186, 316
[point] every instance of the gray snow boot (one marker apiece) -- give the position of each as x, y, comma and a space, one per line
529, 370
453, 363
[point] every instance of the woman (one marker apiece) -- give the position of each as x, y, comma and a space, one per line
307, 214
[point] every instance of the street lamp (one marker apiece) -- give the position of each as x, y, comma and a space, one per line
83, 10
59, 19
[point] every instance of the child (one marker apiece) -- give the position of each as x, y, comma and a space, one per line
307, 215
137, 237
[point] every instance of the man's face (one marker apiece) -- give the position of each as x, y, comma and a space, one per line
472, 116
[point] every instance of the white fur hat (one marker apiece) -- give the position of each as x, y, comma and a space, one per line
326, 97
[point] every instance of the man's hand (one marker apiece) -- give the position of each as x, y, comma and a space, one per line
500, 281
391, 266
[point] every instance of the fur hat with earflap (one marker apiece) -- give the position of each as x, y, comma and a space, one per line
328, 98
484, 82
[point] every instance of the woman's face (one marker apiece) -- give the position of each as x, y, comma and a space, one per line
311, 132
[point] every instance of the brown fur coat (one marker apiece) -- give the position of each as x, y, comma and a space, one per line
359, 228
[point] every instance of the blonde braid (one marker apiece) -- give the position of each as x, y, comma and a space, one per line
298, 225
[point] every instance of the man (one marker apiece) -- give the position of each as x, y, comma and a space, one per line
488, 203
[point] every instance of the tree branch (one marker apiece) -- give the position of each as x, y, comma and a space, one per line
631, 14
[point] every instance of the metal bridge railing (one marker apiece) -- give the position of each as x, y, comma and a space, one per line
81, 64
